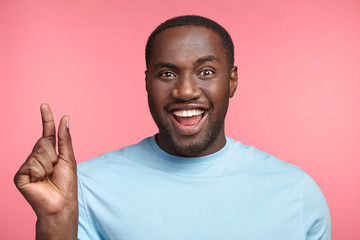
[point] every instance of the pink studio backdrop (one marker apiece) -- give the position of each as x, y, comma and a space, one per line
298, 95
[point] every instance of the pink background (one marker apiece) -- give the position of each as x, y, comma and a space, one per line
298, 95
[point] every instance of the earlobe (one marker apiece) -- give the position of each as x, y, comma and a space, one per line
233, 81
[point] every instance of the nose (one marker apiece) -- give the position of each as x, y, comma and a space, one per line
186, 89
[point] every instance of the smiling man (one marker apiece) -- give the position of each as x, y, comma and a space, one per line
188, 181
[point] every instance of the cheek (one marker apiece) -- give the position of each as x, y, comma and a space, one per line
160, 91
157, 95
216, 92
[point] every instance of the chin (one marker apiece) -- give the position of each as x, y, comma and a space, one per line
189, 146
192, 149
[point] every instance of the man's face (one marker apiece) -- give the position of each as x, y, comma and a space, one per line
189, 83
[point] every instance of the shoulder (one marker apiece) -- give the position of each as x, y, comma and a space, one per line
120, 157
280, 174
259, 161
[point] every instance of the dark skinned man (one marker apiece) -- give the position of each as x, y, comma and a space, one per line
188, 181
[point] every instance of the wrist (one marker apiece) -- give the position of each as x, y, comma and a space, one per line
63, 225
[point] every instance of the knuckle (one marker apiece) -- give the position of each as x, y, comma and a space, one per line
38, 151
51, 137
43, 141
32, 161
39, 144
42, 146
15, 179
37, 172
54, 159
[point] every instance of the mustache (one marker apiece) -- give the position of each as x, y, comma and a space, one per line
197, 102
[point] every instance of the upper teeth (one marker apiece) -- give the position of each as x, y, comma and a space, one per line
188, 113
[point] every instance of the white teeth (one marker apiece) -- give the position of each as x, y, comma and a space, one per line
188, 113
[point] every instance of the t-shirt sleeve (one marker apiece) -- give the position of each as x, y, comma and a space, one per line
86, 228
316, 215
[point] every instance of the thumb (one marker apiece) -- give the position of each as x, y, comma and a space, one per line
66, 151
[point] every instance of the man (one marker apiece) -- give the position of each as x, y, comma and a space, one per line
188, 181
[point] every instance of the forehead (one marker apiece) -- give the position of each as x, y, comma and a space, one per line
186, 43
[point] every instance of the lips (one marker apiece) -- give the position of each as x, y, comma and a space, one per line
188, 121
188, 117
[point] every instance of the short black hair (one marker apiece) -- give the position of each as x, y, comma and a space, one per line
193, 20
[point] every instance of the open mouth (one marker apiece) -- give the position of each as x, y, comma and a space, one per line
188, 117
188, 121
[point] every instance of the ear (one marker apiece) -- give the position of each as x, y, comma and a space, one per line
233, 81
146, 81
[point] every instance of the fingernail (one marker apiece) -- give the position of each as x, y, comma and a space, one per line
68, 122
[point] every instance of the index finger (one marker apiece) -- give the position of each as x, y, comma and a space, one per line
49, 130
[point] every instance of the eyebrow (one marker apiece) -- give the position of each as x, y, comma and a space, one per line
208, 58
165, 65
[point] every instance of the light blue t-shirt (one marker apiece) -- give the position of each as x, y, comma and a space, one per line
141, 192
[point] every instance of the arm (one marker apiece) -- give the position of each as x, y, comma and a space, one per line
316, 215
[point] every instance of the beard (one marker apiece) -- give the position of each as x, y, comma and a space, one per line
194, 145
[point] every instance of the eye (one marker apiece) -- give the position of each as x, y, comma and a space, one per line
167, 75
206, 72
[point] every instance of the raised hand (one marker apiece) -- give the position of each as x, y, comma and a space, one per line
48, 181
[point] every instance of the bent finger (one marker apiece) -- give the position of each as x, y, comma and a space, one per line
43, 158
30, 171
